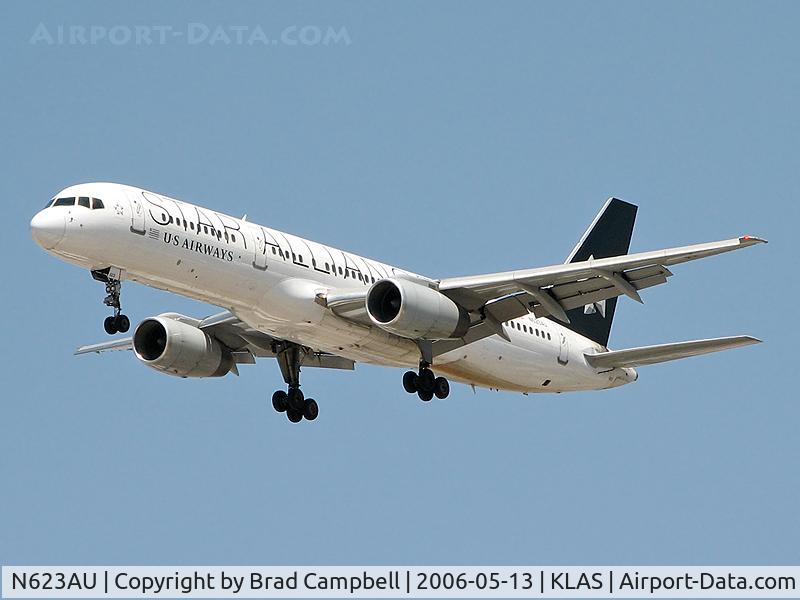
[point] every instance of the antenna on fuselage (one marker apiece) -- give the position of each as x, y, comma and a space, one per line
244, 218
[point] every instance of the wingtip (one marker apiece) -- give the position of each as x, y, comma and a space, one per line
751, 239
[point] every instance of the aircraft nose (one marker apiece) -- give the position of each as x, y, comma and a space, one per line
47, 228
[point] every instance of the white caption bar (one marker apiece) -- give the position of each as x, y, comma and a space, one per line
400, 582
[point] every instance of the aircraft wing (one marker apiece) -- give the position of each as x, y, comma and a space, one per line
244, 342
649, 355
118, 344
551, 291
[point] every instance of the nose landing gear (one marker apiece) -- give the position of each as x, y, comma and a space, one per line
425, 384
118, 322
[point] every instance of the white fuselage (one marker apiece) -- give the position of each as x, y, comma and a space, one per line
270, 280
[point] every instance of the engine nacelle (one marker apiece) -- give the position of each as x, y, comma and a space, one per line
180, 349
413, 310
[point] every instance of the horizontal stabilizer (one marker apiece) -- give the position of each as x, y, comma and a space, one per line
649, 355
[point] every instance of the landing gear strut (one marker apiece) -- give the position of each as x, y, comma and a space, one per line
119, 322
425, 384
296, 406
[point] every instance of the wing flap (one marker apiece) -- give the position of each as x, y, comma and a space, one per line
328, 361
584, 286
120, 344
569, 296
649, 355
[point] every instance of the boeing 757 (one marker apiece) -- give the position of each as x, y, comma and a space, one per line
305, 304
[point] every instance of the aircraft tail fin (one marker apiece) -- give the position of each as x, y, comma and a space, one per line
608, 235
650, 355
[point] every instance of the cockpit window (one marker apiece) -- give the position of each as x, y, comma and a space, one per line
50, 202
65, 201
97, 203
83, 201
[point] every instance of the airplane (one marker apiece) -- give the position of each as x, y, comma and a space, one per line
305, 304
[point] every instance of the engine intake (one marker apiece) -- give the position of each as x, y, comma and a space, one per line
180, 349
413, 310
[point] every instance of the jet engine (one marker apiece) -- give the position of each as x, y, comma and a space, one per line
413, 310
180, 349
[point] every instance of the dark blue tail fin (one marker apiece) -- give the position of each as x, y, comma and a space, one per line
608, 235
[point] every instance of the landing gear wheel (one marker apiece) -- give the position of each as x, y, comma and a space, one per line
410, 382
311, 409
111, 277
290, 357
110, 325
122, 323
425, 396
426, 381
441, 387
279, 401
296, 400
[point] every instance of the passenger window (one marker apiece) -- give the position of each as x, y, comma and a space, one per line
226, 236
205, 229
191, 226
97, 203
83, 201
233, 238
548, 336
340, 270
65, 202
274, 251
525, 328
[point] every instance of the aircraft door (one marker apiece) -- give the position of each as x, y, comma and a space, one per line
259, 247
563, 349
137, 212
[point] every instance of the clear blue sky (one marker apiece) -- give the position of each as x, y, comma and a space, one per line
446, 138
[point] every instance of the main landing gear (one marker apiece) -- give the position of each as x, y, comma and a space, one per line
425, 384
119, 322
296, 406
